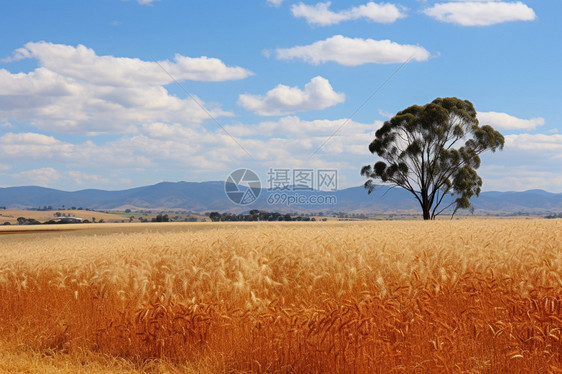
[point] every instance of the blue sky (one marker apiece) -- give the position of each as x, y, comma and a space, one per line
89, 99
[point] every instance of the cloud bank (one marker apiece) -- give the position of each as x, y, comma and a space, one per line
354, 51
321, 15
505, 121
480, 13
76, 91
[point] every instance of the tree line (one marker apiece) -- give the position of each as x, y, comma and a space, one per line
257, 215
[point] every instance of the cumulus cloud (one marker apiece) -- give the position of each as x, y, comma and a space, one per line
321, 15
41, 148
505, 121
543, 143
354, 51
84, 64
40, 177
317, 94
48, 176
520, 178
294, 127
28, 138
164, 149
76, 91
480, 13
85, 178
30, 146
285, 142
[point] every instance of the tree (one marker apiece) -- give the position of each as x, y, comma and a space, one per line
215, 216
161, 218
418, 149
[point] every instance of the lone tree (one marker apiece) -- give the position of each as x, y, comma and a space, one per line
433, 151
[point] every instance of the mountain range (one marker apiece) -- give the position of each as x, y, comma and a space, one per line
211, 196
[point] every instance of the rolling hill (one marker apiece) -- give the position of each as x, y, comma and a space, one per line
210, 196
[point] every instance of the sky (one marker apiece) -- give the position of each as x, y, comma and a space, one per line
116, 94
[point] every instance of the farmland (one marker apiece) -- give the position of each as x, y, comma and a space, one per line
464, 296
11, 216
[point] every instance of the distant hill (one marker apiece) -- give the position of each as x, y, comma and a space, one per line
210, 196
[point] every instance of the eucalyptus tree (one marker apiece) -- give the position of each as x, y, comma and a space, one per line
433, 151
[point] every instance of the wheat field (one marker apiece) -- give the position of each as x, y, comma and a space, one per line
466, 296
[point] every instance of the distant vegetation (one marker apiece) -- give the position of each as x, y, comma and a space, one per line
63, 216
48, 208
36, 217
27, 221
257, 215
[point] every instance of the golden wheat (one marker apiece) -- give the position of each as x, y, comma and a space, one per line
459, 296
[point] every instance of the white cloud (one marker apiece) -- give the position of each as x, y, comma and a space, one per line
85, 178
541, 143
504, 121
294, 127
275, 3
321, 15
354, 51
25, 146
164, 148
317, 94
40, 148
384, 114
76, 91
40, 177
28, 138
84, 64
480, 13
168, 148
519, 178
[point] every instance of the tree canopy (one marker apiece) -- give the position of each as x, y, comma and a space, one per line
433, 151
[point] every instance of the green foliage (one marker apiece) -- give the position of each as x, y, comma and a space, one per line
27, 221
256, 215
161, 218
433, 151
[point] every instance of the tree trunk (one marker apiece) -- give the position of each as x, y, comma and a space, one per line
426, 213
426, 207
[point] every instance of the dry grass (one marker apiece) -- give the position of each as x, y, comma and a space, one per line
460, 297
